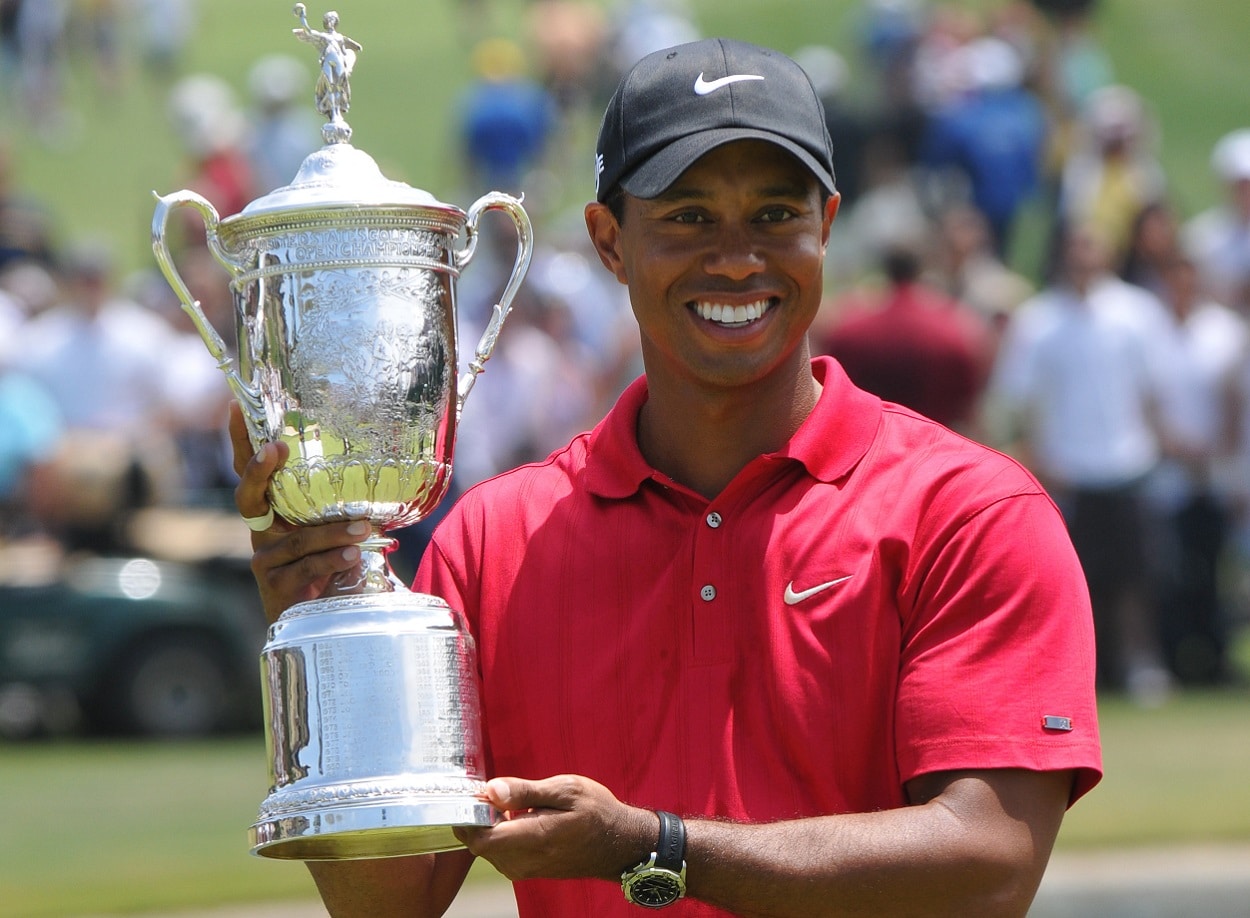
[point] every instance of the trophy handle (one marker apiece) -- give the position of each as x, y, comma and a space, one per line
495, 200
248, 396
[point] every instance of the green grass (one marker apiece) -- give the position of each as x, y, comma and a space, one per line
121, 828
100, 828
1172, 776
116, 828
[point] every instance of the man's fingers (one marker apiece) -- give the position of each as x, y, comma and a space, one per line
557, 793
295, 563
255, 472
239, 441
317, 546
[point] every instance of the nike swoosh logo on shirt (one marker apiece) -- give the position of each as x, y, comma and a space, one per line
791, 597
702, 87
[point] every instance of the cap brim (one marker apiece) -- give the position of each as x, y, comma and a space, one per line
654, 176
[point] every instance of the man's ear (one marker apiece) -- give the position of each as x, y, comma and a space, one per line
831, 212
605, 236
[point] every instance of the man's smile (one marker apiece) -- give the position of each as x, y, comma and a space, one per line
732, 316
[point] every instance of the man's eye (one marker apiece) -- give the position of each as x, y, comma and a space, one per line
688, 216
776, 215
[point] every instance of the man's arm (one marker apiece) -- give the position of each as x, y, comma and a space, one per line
393, 887
971, 843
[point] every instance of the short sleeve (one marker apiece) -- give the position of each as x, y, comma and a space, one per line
997, 669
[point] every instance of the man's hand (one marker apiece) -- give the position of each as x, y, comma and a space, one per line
562, 827
291, 563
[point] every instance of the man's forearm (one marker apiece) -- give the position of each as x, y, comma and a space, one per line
926, 860
407, 887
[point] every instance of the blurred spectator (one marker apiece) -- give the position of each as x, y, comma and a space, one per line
939, 72
1073, 63
639, 27
888, 212
912, 345
848, 124
1113, 171
164, 27
32, 285
565, 272
195, 392
40, 29
283, 127
30, 425
24, 224
1233, 473
96, 352
1078, 373
1021, 25
1219, 238
506, 119
101, 23
12, 317
968, 269
1070, 65
8, 42
993, 135
568, 38
209, 124
538, 389
1153, 245
101, 357
1204, 346
888, 33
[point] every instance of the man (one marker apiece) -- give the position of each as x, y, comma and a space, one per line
993, 136
851, 650
1205, 347
1219, 237
911, 344
1078, 377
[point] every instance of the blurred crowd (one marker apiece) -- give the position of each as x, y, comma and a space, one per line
1116, 366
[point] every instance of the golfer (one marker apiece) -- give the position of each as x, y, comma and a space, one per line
759, 643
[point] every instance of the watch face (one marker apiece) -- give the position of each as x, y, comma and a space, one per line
654, 888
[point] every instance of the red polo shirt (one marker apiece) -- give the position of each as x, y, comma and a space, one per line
878, 600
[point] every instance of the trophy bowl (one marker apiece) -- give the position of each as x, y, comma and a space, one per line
344, 287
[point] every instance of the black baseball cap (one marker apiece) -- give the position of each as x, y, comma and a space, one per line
676, 104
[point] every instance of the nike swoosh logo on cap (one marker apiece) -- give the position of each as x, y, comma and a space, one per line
792, 598
702, 87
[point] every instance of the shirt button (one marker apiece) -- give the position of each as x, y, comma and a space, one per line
714, 519
708, 593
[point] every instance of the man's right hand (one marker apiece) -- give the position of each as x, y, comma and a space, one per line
291, 563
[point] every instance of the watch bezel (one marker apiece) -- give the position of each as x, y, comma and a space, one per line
653, 887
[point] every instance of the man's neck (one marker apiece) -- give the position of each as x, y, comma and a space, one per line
703, 439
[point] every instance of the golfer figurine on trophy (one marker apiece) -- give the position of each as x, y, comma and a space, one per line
344, 286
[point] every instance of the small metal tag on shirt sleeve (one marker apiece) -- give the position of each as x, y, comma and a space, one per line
1055, 722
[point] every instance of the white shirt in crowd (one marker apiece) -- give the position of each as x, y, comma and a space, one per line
1081, 373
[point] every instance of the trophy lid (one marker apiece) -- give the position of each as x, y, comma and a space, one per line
338, 175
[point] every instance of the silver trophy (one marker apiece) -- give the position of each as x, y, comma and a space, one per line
344, 287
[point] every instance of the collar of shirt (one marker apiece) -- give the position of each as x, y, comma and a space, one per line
832, 440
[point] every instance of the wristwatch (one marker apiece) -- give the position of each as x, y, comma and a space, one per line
661, 879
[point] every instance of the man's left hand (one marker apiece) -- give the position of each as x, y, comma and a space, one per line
560, 828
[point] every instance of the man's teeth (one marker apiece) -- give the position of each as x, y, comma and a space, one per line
731, 315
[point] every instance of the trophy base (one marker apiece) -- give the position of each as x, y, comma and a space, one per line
374, 734
369, 830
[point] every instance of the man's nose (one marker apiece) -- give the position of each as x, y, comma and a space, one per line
734, 253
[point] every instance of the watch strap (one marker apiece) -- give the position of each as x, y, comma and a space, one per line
670, 852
